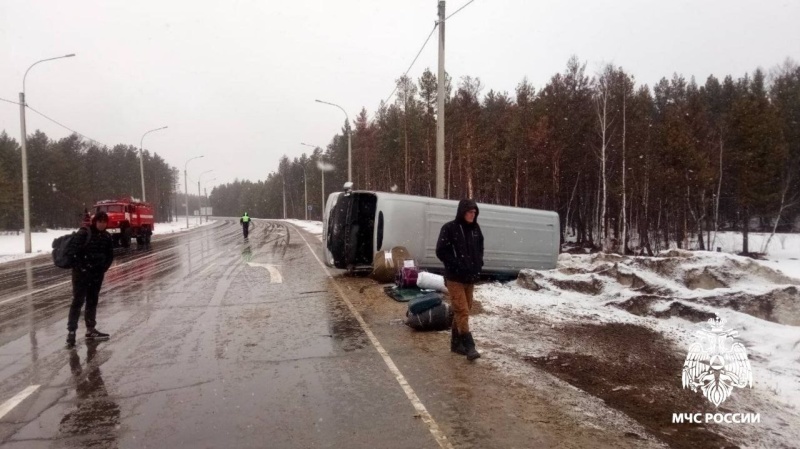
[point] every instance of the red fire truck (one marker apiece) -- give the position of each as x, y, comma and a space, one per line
127, 218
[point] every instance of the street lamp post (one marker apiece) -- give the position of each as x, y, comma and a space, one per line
186, 186
199, 197
349, 143
26, 200
141, 158
305, 190
205, 191
323, 167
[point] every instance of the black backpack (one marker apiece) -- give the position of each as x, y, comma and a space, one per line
60, 245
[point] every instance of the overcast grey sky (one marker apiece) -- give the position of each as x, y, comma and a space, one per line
236, 80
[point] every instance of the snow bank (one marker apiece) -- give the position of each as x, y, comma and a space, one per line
314, 227
672, 294
12, 245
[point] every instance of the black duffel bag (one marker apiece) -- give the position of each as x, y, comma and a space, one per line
437, 318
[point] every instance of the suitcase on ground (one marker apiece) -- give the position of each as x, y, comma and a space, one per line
407, 277
424, 302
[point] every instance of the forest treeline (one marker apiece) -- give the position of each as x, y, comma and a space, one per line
66, 176
628, 167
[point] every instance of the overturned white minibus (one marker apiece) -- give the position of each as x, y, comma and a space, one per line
359, 223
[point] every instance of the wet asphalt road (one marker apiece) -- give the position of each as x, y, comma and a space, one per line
216, 342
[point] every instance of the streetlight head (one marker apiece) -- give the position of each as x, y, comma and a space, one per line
318, 101
69, 55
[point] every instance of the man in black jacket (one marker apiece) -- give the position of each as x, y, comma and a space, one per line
92, 252
460, 248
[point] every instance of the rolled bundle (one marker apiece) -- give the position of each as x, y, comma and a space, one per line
386, 264
431, 281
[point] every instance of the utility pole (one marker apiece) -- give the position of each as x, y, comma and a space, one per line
200, 204
205, 190
440, 108
349, 152
186, 194
283, 180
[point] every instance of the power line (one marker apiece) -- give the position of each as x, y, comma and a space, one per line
412, 62
423, 47
459, 9
68, 128
9, 101
386, 102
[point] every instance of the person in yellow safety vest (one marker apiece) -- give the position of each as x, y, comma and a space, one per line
245, 221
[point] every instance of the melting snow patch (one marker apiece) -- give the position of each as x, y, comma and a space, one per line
537, 317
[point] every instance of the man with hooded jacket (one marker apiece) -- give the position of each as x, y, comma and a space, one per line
92, 252
460, 248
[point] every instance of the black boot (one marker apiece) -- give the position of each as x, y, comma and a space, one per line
469, 344
456, 343
71, 338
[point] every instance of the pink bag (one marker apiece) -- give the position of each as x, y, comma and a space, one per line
407, 277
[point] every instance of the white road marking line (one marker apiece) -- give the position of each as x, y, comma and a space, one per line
207, 268
50, 287
16, 400
437, 433
14, 298
274, 275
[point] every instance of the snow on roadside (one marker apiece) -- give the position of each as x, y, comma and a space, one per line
179, 225
12, 245
313, 227
672, 294
783, 253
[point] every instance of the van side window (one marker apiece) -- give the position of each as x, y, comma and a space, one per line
380, 230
